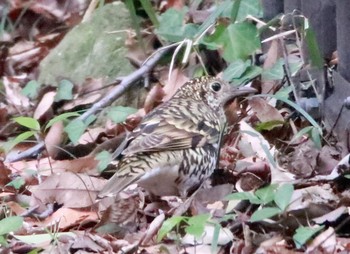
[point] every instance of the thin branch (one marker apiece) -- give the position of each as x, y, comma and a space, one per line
114, 94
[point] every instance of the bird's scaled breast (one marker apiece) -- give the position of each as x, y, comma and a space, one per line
178, 177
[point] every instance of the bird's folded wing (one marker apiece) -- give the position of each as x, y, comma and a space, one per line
158, 135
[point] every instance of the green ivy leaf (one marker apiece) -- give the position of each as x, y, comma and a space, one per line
243, 196
104, 159
10, 224
264, 213
197, 224
250, 73
239, 41
119, 114
17, 183
75, 129
31, 89
172, 27
284, 195
266, 194
303, 234
247, 7
235, 70
64, 90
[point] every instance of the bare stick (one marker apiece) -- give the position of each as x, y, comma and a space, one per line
114, 94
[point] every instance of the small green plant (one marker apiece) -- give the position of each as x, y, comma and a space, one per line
273, 200
7, 226
304, 234
192, 225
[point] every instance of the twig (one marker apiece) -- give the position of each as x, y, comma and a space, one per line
114, 94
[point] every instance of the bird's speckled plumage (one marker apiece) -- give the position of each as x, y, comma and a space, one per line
175, 147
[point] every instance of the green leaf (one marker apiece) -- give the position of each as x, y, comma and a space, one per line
266, 194
264, 213
268, 126
234, 10
247, 7
28, 122
235, 70
7, 146
197, 225
276, 72
10, 224
38, 239
119, 114
147, 6
61, 117
172, 27
284, 195
251, 73
212, 18
31, 89
17, 183
64, 90
104, 159
135, 20
243, 196
3, 241
303, 234
75, 129
316, 138
239, 41
214, 244
314, 50
296, 107
168, 225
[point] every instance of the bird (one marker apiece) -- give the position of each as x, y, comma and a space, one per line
175, 147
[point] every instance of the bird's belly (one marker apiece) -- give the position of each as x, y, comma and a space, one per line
161, 181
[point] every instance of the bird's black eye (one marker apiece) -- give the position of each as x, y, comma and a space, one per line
216, 86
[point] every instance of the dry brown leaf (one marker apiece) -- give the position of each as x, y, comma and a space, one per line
66, 218
13, 93
273, 54
154, 98
264, 111
90, 135
153, 229
47, 165
177, 79
54, 138
44, 105
71, 190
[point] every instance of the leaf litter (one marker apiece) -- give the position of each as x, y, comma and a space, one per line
261, 147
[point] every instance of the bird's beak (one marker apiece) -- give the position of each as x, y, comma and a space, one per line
244, 91
237, 92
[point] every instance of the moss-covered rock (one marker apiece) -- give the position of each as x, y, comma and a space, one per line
92, 49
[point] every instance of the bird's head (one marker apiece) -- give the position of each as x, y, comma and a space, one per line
213, 91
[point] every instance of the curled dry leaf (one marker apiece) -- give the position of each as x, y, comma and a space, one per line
69, 189
44, 105
153, 229
264, 111
66, 218
54, 138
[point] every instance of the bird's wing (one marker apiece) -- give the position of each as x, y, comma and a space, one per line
166, 129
